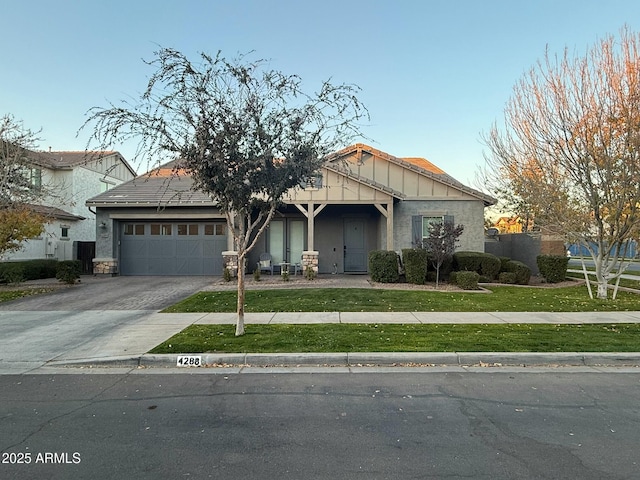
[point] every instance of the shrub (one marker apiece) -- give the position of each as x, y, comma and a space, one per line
32, 269
310, 273
467, 280
485, 264
445, 269
68, 271
490, 266
226, 275
453, 278
553, 268
383, 266
503, 263
522, 272
415, 265
256, 274
12, 273
507, 277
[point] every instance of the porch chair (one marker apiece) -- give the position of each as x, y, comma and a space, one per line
265, 264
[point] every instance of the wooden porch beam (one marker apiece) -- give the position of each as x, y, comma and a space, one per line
302, 209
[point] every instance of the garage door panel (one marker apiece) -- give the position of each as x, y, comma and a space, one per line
189, 266
187, 250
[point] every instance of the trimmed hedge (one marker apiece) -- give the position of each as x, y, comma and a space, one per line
467, 280
521, 271
415, 265
553, 268
28, 269
383, 266
507, 277
484, 264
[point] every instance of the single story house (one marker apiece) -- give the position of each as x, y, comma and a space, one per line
362, 200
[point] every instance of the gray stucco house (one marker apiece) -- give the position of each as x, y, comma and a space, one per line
362, 199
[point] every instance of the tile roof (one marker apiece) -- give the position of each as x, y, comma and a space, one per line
53, 212
424, 163
69, 159
162, 187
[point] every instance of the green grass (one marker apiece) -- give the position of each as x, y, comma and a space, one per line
502, 298
624, 282
405, 338
8, 295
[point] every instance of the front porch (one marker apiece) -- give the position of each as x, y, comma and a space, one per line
332, 239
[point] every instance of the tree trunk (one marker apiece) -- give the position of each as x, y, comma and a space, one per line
601, 278
240, 321
602, 287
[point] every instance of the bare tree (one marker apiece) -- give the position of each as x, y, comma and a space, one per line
245, 133
569, 149
19, 185
441, 243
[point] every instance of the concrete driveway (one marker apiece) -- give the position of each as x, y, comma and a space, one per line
100, 317
113, 293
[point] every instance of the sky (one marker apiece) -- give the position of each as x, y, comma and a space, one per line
435, 75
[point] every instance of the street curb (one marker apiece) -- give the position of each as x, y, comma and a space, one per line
355, 359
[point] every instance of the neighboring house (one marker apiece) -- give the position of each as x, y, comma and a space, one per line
513, 224
509, 225
361, 200
67, 180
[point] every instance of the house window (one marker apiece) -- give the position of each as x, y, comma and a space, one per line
161, 229
214, 229
426, 225
64, 231
105, 185
420, 225
191, 229
33, 176
134, 229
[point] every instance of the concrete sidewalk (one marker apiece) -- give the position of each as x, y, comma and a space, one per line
127, 347
115, 321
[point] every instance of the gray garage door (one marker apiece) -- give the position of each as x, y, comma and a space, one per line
172, 248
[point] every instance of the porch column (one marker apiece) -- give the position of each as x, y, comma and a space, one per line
230, 262
311, 222
230, 243
388, 214
310, 212
390, 225
309, 260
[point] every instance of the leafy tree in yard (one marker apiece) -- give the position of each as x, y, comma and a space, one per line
569, 150
245, 133
17, 221
441, 243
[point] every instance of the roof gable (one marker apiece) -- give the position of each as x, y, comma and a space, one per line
416, 178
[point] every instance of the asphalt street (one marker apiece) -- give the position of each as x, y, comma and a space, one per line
497, 424
156, 421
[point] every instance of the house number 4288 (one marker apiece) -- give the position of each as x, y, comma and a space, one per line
189, 361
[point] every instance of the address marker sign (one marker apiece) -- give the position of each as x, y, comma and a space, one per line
189, 361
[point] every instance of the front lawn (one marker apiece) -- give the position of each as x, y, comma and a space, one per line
329, 338
7, 295
501, 299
